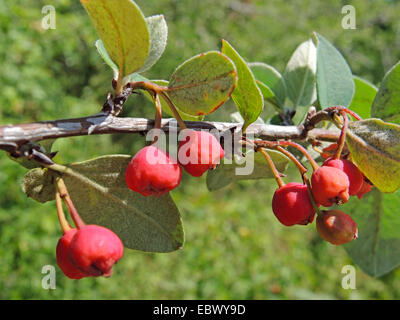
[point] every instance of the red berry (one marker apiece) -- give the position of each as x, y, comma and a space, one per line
330, 186
152, 172
63, 260
365, 188
336, 227
353, 173
95, 249
200, 152
291, 204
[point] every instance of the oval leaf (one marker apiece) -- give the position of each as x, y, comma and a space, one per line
247, 95
377, 249
375, 148
335, 84
203, 83
123, 30
98, 190
363, 97
300, 79
387, 102
158, 40
225, 174
271, 78
300, 73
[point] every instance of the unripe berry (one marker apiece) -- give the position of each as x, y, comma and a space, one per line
330, 186
336, 227
291, 204
62, 255
95, 249
200, 152
365, 188
152, 172
355, 176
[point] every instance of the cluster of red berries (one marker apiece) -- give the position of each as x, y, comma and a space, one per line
153, 171
90, 251
332, 183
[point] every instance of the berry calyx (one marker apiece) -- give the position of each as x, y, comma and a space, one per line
95, 249
330, 186
291, 204
355, 176
336, 227
152, 171
199, 152
62, 256
365, 188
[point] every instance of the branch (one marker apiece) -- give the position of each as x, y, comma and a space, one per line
13, 136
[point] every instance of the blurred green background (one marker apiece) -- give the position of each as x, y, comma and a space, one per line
235, 248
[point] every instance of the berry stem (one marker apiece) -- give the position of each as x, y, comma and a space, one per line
62, 188
342, 138
158, 116
177, 116
65, 227
273, 144
352, 113
299, 165
272, 166
310, 195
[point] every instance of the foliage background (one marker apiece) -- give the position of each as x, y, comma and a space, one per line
235, 248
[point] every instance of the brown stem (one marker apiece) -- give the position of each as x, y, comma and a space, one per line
68, 202
272, 166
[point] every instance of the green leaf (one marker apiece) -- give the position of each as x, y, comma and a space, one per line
300, 77
377, 250
103, 53
98, 190
38, 184
165, 108
335, 84
158, 40
271, 78
123, 30
247, 95
387, 101
363, 97
203, 83
375, 148
225, 174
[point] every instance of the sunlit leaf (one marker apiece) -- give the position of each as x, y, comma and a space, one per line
203, 83
247, 95
123, 31
375, 148
335, 84
387, 101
